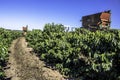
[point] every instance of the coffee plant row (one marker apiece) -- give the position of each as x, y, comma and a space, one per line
6, 37
79, 54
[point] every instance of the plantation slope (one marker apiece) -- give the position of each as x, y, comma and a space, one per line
26, 66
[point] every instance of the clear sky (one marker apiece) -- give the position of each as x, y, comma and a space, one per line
36, 13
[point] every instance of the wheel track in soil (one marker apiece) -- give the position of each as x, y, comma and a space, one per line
26, 66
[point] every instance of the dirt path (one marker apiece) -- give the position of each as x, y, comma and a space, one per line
26, 66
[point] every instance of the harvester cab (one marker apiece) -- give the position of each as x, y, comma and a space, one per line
97, 21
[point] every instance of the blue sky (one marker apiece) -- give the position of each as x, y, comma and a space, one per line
36, 13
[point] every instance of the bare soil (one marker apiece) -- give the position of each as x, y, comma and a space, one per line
24, 65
